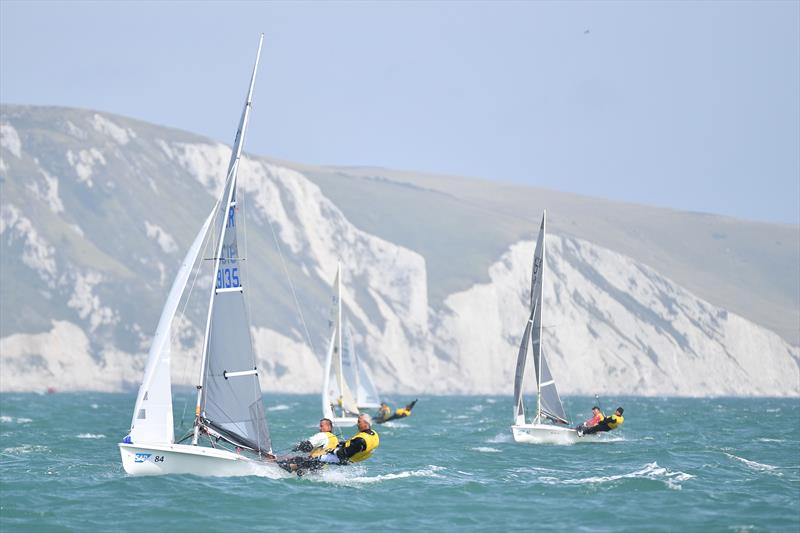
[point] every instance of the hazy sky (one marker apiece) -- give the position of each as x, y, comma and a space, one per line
689, 105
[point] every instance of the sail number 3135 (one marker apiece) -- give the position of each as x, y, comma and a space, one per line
228, 277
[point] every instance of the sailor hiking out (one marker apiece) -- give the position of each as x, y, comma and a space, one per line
356, 449
606, 424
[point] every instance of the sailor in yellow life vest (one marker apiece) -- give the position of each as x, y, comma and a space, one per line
384, 412
319, 443
399, 413
606, 424
358, 447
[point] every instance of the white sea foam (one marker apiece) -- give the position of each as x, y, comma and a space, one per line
759, 467
344, 476
394, 424
94, 406
764, 439
5, 419
26, 448
90, 436
650, 471
486, 449
491, 400
502, 437
279, 407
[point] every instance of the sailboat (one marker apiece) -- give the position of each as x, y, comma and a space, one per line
347, 388
549, 413
230, 434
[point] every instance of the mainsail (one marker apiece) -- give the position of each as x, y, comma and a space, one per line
548, 402
341, 363
229, 398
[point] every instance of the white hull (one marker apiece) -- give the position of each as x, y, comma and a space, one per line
345, 421
548, 434
161, 459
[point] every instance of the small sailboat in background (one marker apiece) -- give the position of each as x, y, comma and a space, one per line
347, 388
544, 427
230, 434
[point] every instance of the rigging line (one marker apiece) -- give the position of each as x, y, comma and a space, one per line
291, 285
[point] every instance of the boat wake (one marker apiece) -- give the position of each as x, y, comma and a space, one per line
758, 467
394, 424
650, 471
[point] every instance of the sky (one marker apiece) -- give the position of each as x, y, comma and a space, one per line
687, 105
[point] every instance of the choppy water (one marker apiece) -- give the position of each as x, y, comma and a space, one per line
677, 465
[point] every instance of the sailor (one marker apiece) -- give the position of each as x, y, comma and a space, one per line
358, 447
319, 443
384, 412
606, 424
400, 413
597, 416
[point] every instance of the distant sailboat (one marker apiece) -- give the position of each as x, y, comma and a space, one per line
229, 415
347, 388
549, 409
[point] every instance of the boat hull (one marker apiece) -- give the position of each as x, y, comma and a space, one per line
162, 459
548, 434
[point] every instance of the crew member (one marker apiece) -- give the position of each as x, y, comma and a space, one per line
400, 413
384, 412
597, 416
319, 443
607, 424
358, 447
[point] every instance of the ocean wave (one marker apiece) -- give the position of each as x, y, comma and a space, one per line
486, 449
90, 436
765, 439
759, 467
10, 419
279, 407
26, 448
502, 437
351, 476
394, 424
650, 471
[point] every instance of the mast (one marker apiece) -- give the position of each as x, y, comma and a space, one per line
339, 371
539, 302
228, 204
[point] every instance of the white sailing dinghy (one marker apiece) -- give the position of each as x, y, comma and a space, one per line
230, 434
543, 427
347, 388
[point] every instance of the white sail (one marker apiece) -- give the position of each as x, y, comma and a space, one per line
152, 415
367, 396
548, 404
341, 395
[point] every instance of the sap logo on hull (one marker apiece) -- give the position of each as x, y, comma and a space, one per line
142, 457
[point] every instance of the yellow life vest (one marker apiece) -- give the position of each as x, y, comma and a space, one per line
333, 441
372, 440
385, 412
403, 412
616, 420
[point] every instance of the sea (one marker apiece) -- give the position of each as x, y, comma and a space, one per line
677, 464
